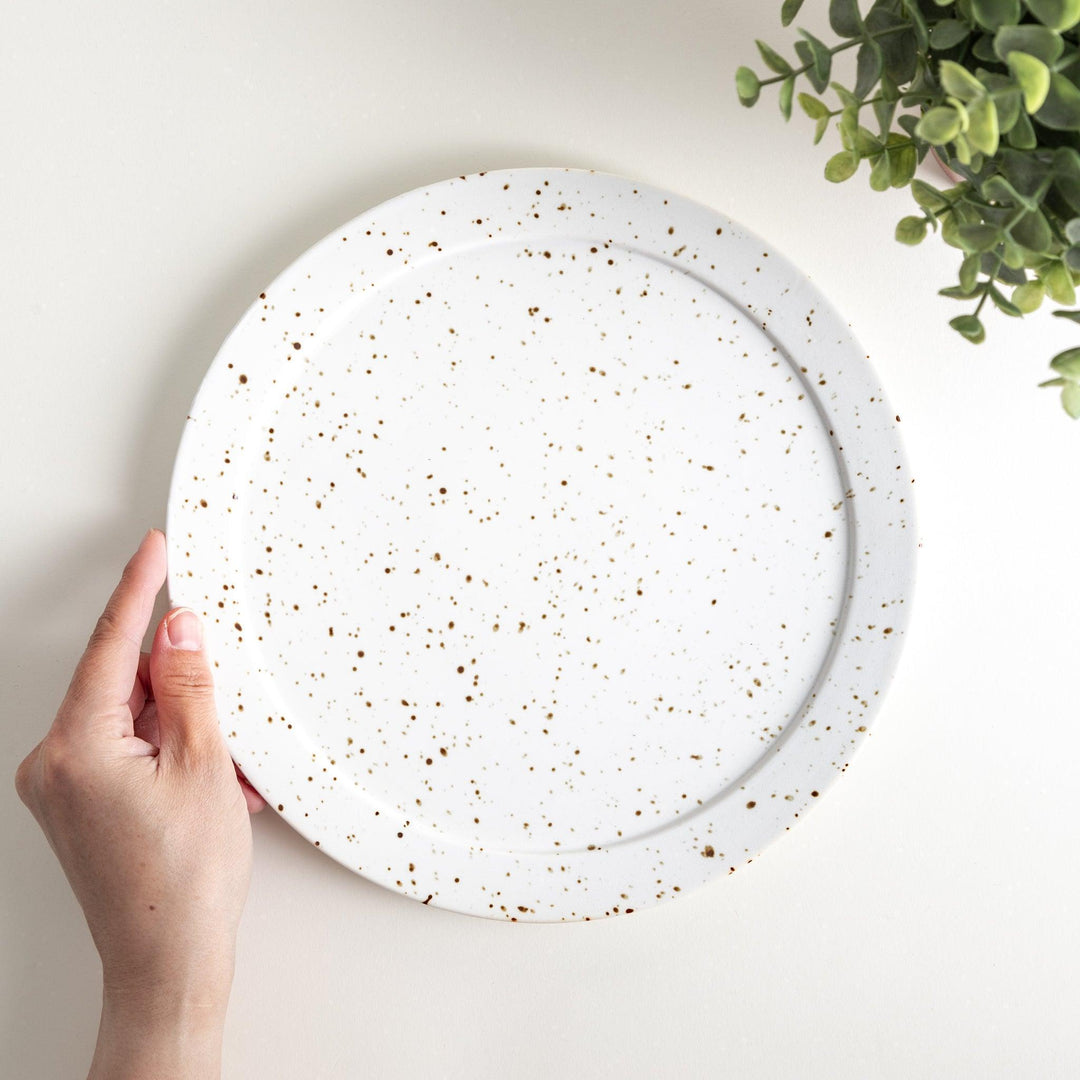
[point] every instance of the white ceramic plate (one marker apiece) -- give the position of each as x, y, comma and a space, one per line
554, 537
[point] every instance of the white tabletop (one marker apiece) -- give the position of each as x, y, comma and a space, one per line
162, 163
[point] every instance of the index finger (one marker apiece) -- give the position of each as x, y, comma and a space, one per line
102, 684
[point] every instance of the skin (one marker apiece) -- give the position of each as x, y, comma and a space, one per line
134, 788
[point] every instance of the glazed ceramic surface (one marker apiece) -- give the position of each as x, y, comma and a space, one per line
554, 538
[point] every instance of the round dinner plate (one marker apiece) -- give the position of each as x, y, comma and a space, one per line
553, 536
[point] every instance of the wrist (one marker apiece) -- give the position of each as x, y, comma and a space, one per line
172, 1033
172, 978
164, 1018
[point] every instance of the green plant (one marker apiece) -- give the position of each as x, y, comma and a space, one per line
990, 86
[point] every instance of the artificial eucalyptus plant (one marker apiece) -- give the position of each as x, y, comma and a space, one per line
991, 87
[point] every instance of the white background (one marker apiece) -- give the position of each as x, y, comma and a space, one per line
160, 163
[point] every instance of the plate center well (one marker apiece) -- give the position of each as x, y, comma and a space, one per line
559, 550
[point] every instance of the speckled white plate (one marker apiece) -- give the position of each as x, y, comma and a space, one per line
554, 537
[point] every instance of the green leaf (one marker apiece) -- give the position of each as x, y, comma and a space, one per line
822, 58
1067, 162
884, 112
983, 49
844, 18
841, 166
1003, 305
1033, 232
983, 126
1057, 14
869, 64
969, 272
1033, 78
1007, 98
1013, 259
1070, 399
970, 327
1025, 172
802, 50
881, 172
814, 107
1069, 190
967, 212
961, 151
918, 25
820, 129
1029, 296
958, 292
992, 267
895, 36
908, 123
1038, 41
1072, 316
924, 84
866, 142
1022, 134
1072, 230
1066, 166
979, 237
947, 33
938, 125
1059, 283
905, 160
773, 60
1061, 110
950, 225
997, 189
1072, 257
928, 196
848, 127
787, 89
1055, 382
995, 13
847, 98
911, 230
959, 82
748, 86
789, 11
1067, 363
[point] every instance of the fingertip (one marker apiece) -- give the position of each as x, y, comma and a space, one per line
256, 804
183, 688
184, 630
151, 536
107, 669
150, 553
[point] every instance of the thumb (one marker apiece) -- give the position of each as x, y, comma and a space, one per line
183, 688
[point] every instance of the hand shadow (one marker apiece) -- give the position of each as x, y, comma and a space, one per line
51, 968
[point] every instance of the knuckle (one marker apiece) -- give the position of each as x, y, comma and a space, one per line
193, 680
58, 767
106, 629
23, 778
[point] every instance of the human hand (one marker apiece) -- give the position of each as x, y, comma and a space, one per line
139, 799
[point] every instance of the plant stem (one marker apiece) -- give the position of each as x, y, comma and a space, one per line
834, 50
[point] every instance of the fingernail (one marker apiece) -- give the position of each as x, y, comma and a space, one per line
184, 630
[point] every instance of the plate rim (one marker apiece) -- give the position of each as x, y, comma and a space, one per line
901, 568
